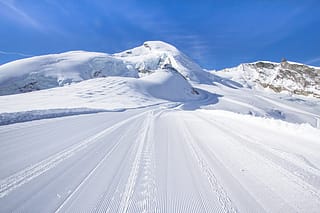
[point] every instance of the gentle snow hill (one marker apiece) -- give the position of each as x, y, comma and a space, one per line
291, 77
48, 71
100, 94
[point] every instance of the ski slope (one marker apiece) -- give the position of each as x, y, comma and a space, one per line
147, 130
159, 159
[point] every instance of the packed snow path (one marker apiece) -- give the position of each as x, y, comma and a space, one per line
159, 159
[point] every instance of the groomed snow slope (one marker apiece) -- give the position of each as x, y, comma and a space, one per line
159, 160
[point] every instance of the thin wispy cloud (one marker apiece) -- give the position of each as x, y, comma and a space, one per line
25, 16
313, 61
20, 15
195, 45
215, 33
162, 27
58, 6
15, 53
279, 29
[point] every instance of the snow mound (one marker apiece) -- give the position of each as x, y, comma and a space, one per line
168, 84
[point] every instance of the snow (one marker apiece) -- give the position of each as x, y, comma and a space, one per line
160, 160
264, 103
155, 134
23, 116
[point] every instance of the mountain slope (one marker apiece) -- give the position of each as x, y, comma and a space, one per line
286, 76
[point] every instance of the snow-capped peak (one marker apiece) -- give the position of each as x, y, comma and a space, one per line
153, 55
150, 47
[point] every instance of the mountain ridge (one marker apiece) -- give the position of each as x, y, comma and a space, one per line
54, 70
286, 76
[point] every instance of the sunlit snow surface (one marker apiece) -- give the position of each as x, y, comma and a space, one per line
158, 143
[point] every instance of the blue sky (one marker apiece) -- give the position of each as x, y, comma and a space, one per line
216, 34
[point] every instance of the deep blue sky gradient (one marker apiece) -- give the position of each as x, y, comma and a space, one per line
216, 34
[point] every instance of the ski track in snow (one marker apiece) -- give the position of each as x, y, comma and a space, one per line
88, 176
307, 179
223, 198
26, 175
127, 194
157, 164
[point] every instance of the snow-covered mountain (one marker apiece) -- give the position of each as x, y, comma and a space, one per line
48, 71
286, 76
153, 73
